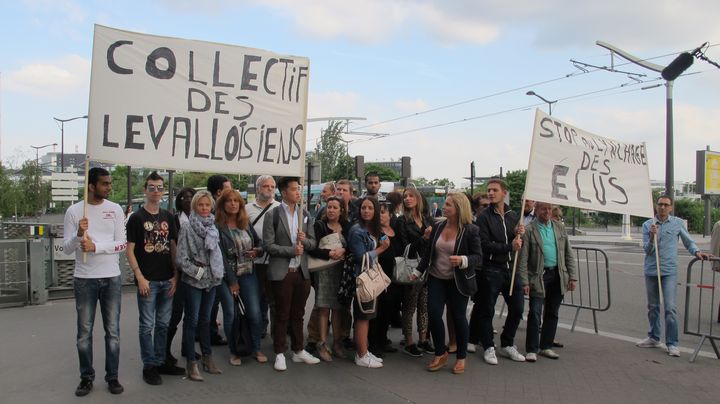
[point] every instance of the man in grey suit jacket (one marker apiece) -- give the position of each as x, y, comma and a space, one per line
547, 270
286, 245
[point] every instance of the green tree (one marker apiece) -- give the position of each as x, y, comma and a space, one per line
331, 151
516, 186
420, 181
385, 173
436, 182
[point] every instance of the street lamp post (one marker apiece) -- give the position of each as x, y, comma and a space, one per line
37, 168
62, 138
549, 103
677, 69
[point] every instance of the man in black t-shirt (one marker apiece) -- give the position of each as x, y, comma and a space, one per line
151, 236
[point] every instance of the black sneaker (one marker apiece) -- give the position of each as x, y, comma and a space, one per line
425, 346
169, 358
412, 350
389, 349
115, 387
151, 376
218, 340
168, 368
84, 388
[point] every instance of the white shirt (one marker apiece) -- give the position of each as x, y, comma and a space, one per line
292, 219
106, 228
253, 210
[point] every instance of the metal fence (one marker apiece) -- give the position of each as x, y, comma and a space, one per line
702, 296
16, 288
13, 273
593, 288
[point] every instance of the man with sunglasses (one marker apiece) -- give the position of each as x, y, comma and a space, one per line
151, 236
667, 229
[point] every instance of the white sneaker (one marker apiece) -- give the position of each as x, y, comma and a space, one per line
649, 343
375, 357
304, 356
673, 350
531, 357
368, 361
549, 353
490, 357
512, 353
471, 348
280, 363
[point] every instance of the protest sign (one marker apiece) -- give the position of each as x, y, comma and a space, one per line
180, 104
572, 167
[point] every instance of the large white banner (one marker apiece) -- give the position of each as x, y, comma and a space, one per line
179, 104
572, 167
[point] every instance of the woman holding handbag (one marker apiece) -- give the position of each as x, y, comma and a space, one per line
416, 226
201, 263
366, 239
240, 245
331, 231
453, 254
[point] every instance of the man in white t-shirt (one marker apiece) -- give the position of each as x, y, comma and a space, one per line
96, 235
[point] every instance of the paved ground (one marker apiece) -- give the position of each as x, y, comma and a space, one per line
39, 365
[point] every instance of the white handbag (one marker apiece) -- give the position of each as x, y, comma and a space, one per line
404, 269
371, 282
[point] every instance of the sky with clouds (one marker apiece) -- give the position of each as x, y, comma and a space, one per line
446, 80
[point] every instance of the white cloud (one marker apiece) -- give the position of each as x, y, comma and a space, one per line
416, 105
50, 78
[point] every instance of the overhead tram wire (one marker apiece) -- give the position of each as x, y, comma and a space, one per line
574, 74
574, 98
567, 76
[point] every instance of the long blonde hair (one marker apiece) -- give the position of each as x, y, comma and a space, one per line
462, 206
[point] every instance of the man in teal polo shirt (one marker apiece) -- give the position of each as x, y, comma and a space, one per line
547, 270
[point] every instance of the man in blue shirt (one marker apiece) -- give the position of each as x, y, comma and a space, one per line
667, 229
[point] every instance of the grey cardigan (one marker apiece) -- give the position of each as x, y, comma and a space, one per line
191, 254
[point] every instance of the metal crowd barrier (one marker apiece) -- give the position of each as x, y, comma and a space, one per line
593, 288
702, 295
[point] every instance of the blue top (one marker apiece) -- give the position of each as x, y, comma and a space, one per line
361, 242
668, 233
549, 243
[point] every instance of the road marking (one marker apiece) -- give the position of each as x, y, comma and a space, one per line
627, 338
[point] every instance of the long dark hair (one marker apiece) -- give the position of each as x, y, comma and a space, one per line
372, 225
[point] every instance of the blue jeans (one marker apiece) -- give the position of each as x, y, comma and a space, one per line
87, 294
250, 295
440, 292
536, 339
669, 283
154, 311
198, 305
228, 308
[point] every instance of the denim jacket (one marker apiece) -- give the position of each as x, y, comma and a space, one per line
360, 242
668, 233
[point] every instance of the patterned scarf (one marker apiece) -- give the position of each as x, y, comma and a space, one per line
205, 228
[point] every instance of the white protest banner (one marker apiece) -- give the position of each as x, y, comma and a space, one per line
180, 104
572, 167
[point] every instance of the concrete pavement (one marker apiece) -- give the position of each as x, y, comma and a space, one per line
39, 364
